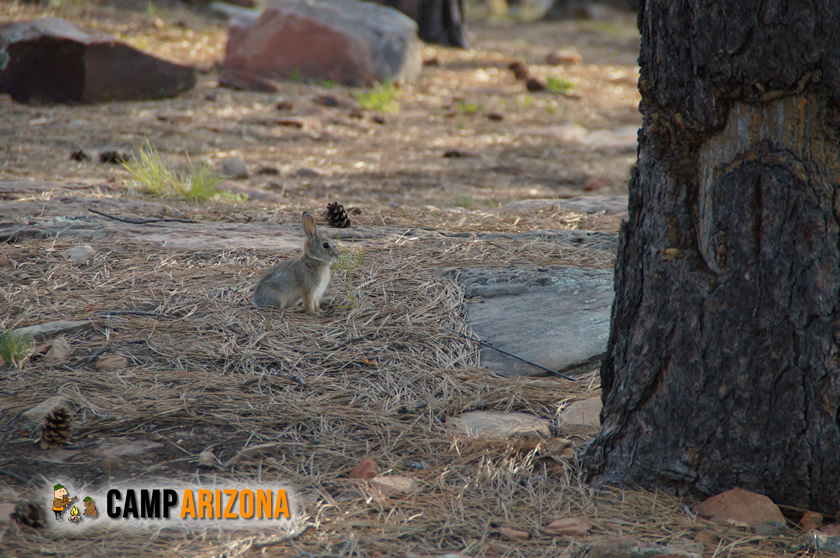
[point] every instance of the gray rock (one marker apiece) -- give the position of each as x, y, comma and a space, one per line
51, 327
31, 420
39, 411
557, 317
581, 417
58, 352
352, 42
493, 425
825, 543
582, 204
55, 61
81, 253
235, 167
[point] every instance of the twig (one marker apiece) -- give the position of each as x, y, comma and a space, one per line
280, 540
135, 221
132, 313
504, 352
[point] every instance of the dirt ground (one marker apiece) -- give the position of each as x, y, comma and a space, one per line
287, 397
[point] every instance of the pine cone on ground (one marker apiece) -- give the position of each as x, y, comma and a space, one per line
336, 216
31, 514
57, 427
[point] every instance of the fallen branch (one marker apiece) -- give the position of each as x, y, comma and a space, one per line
136, 221
132, 313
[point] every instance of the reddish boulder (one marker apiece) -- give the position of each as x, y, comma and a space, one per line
348, 41
54, 61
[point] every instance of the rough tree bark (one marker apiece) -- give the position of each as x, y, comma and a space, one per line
723, 367
438, 21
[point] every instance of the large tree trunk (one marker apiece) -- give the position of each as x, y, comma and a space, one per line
723, 366
438, 21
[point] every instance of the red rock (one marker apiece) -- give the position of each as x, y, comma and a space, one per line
740, 505
570, 526
811, 520
595, 183
366, 469
55, 61
348, 41
563, 58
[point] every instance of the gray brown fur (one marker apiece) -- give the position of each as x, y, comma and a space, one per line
304, 279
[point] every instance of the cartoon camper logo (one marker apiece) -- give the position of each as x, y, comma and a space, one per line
61, 501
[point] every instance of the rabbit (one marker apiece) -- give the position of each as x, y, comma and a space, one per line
303, 279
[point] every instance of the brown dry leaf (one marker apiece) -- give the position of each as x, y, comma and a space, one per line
108, 363
366, 469
514, 534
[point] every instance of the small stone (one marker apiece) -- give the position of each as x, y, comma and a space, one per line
108, 363
493, 425
251, 192
326, 101
235, 167
534, 84
595, 183
740, 505
832, 529
306, 173
82, 253
581, 417
570, 526
826, 543
519, 69
811, 520
392, 484
207, 459
58, 352
512, 534
495, 116
37, 413
563, 58
366, 469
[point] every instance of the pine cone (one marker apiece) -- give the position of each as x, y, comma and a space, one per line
57, 427
337, 216
30, 514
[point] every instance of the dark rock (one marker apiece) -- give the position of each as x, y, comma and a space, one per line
55, 61
113, 157
351, 42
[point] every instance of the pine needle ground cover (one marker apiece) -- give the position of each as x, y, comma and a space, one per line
290, 398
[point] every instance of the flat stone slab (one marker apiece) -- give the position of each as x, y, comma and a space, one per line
493, 425
557, 317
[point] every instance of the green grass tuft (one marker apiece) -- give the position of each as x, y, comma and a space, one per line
464, 200
381, 97
559, 85
468, 107
156, 176
14, 348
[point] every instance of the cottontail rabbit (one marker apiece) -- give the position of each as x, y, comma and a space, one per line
305, 278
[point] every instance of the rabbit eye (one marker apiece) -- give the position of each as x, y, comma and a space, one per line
326, 245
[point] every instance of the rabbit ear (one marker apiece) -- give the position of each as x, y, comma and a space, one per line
308, 224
